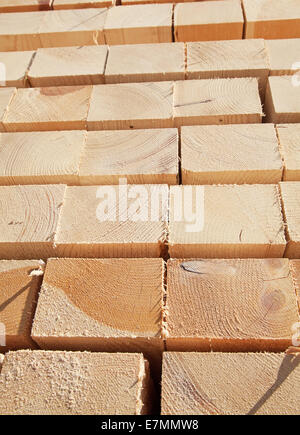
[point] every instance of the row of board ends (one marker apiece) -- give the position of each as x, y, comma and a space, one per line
212, 221
109, 388
153, 105
205, 20
76, 304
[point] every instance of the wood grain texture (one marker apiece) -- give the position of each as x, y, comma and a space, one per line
239, 222
6, 96
24, 5
65, 66
219, 101
145, 63
46, 382
16, 67
290, 193
210, 384
208, 21
282, 103
272, 19
230, 305
20, 31
80, 4
140, 24
289, 140
95, 222
228, 59
141, 156
230, 154
50, 108
151, 106
20, 283
112, 305
295, 268
283, 53
73, 27
50, 157
28, 220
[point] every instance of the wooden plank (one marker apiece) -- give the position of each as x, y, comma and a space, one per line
16, 65
272, 19
145, 63
212, 304
289, 140
50, 108
219, 101
295, 268
73, 27
118, 306
80, 382
208, 21
228, 59
283, 54
6, 96
290, 193
270, 384
24, 5
65, 66
282, 103
230, 154
20, 283
140, 156
19, 32
117, 221
241, 221
139, 24
28, 220
151, 106
50, 157
81, 4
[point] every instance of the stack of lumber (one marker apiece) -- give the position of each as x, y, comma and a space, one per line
149, 207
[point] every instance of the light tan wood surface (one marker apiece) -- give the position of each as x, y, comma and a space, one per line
283, 54
289, 140
24, 5
73, 27
16, 65
68, 66
282, 104
228, 59
230, 305
6, 96
210, 384
238, 222
272, 19
141, 156
41, 382
208, 21
50, 108
105, 305
139, 24
131, 105
219, 101
145, 63
96, 221
48, 157
28, 220
230, 154
290, 193
20, 283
